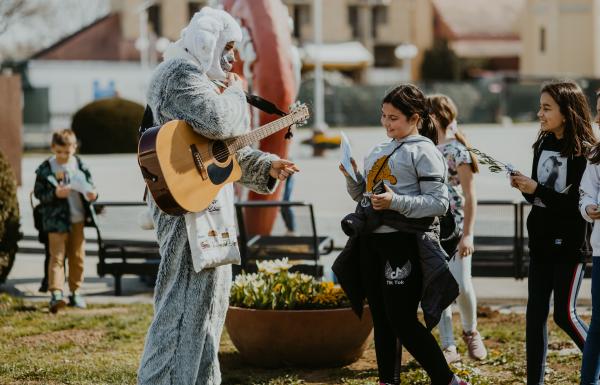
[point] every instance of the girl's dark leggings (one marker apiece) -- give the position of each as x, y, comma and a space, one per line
393, 279
564, 280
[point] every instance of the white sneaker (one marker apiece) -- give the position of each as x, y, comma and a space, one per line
457, 381
451, 354
475, 345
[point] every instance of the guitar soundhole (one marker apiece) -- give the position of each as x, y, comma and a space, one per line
220, 151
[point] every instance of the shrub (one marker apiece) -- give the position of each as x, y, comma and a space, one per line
440, 62
108, 126
9, 218
275, 288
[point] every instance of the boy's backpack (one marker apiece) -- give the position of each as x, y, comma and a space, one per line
38, 219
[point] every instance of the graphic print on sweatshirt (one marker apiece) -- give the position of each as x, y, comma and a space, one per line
396, 276
551, 172
385, 173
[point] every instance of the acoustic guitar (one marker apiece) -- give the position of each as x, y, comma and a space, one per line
184, 171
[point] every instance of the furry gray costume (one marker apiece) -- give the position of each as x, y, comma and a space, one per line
190, 307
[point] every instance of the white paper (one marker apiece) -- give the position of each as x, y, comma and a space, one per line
346, 156
566, 189
52, 180
80, 184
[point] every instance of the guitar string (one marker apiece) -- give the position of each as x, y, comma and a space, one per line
253, 135
226, 151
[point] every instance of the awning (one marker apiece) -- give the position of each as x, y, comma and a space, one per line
486, 48
351, 55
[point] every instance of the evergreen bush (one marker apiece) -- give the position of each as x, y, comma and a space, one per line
108, 126
9, 218
440, 63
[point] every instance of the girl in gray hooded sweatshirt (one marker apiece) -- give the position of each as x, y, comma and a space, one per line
413, 172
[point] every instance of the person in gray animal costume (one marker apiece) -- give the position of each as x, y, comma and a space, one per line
197, 249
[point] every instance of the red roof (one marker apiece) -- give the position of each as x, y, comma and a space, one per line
101, 40
478, 19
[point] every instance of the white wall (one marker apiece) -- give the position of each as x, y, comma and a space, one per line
70, 84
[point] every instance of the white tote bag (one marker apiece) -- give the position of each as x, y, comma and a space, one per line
212, 234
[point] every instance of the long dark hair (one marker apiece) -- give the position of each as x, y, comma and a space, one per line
409, 100
579, 136
594, 156
445, 112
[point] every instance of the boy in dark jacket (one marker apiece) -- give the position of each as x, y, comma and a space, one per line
64, 188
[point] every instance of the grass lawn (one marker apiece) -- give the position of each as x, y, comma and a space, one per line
102, 345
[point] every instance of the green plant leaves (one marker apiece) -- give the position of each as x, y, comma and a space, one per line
275, 288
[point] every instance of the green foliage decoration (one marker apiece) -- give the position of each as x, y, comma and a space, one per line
9, 218
108, 126
494, 165
275, 288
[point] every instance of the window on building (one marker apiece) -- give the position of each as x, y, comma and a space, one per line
384, 56
154, 19
379, 16
542, 39
302, 17
353, 21
195, 6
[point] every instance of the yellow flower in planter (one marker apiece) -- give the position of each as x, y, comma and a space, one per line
274, 287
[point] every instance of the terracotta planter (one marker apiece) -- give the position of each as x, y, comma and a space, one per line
308, 338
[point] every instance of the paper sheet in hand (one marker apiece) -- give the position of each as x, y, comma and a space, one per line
346, 156
79, 183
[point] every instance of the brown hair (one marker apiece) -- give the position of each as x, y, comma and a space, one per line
64, 137
579, 136
445, 112
594, 155
410, 100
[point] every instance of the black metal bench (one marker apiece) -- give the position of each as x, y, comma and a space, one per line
302, 251
120, 256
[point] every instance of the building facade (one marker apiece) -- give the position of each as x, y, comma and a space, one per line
166, 17
379, 25
561, 38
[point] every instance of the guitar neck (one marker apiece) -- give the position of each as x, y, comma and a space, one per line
260, 133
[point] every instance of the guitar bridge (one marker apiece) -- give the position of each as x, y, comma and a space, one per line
198, 162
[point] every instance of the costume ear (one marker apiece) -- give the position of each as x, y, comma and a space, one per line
200, 38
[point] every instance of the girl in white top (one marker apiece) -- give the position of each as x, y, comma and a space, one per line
589, 206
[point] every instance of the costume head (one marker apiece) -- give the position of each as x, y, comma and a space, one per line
205, 38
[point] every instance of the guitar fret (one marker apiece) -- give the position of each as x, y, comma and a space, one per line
260, 133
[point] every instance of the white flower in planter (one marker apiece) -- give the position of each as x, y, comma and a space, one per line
273, 267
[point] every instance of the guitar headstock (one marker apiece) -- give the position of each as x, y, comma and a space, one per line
300, 113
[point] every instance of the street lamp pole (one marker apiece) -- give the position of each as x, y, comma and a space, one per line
143, 42
319, 88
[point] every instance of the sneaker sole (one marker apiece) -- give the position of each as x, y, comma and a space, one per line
57, 306
459, 359
477, 358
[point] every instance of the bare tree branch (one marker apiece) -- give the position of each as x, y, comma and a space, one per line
12, 11
30, 25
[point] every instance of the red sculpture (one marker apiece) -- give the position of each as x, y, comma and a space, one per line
267, 22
